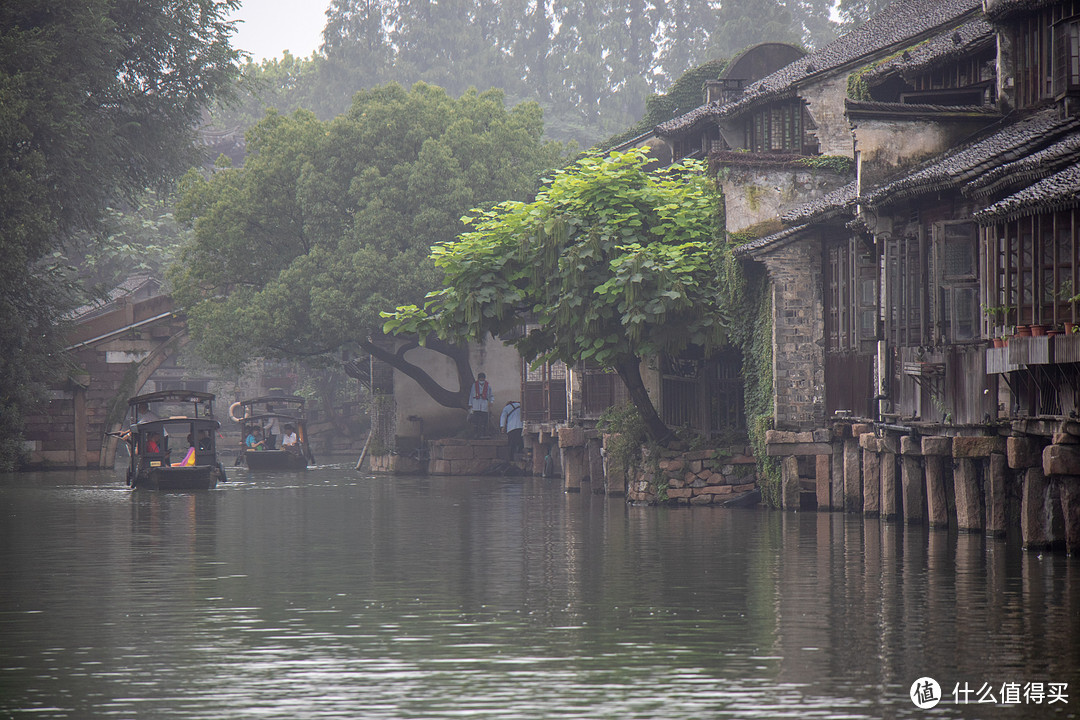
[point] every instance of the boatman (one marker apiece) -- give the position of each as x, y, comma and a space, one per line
480, 400
510, 422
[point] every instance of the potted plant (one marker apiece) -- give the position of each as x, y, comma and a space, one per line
997, 315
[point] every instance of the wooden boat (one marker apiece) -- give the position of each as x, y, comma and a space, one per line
257, 418
172, 441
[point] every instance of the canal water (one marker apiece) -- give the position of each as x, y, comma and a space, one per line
333, 594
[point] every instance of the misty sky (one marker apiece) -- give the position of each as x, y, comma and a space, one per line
271, 26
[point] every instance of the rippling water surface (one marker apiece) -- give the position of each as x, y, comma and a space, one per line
331, 594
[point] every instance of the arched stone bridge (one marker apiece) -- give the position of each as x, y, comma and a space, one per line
112, 353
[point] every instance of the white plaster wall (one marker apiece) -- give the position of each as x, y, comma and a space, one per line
756, 195
887, 146
499, 361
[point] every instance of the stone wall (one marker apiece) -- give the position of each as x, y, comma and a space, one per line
798, 335
460, 456
699, 477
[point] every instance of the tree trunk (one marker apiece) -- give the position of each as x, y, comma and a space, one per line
458, 353
630, 372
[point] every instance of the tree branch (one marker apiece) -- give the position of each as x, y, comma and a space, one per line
459, 354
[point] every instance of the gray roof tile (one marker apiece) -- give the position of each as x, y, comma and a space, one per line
1060, 191
901, 22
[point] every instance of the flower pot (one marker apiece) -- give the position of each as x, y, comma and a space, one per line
1070, 328
1023, 331
999, 342
1038, 330
1052, 333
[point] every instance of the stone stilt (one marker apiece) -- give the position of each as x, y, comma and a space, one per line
888, 486
1070, 507
837, 502
789, 481
823, 473
1034, 515
853, 481
996, 496
911, 476
970, 509
595, 460
937, 504
871, 475
575, 467
935, 450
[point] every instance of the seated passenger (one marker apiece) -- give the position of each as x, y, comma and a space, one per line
254, 441
153, 443
288, 440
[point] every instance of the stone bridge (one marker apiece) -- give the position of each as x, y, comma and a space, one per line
112, 352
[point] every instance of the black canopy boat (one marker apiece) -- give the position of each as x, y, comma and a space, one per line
172, 441
267, 420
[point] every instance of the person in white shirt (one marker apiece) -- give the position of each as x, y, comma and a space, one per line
480, 399
288, 440
271, 430
510, 422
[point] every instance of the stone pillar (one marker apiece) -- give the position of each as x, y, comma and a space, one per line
789, 482
1034, 512
575, 466
1023, 455
935, 450
823, 472
1062, 462
871, 474
970, 492
595, 461
970, 510
1070, 507
911, 476
837, 492
996, 495
890, 445
852, 476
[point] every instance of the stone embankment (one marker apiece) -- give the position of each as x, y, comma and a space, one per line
698, 477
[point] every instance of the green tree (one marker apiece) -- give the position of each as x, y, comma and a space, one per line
98, 101
327, 224
610, 263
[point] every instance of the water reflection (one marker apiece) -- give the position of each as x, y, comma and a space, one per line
331, 594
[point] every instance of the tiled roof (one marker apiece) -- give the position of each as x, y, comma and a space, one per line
916, 110
1060, 191
999, 9
1027, 169
823, 208
767, 242
955, 168
967, 37
903, 21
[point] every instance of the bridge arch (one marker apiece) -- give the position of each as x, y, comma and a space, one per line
113, 353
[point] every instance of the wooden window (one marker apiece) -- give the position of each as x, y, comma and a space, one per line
781, 128
1047, 52
905, 291
1067, 57
956, 306
1032, 268
851, 297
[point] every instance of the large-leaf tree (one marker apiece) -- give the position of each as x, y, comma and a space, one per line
327, 224
610, 263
